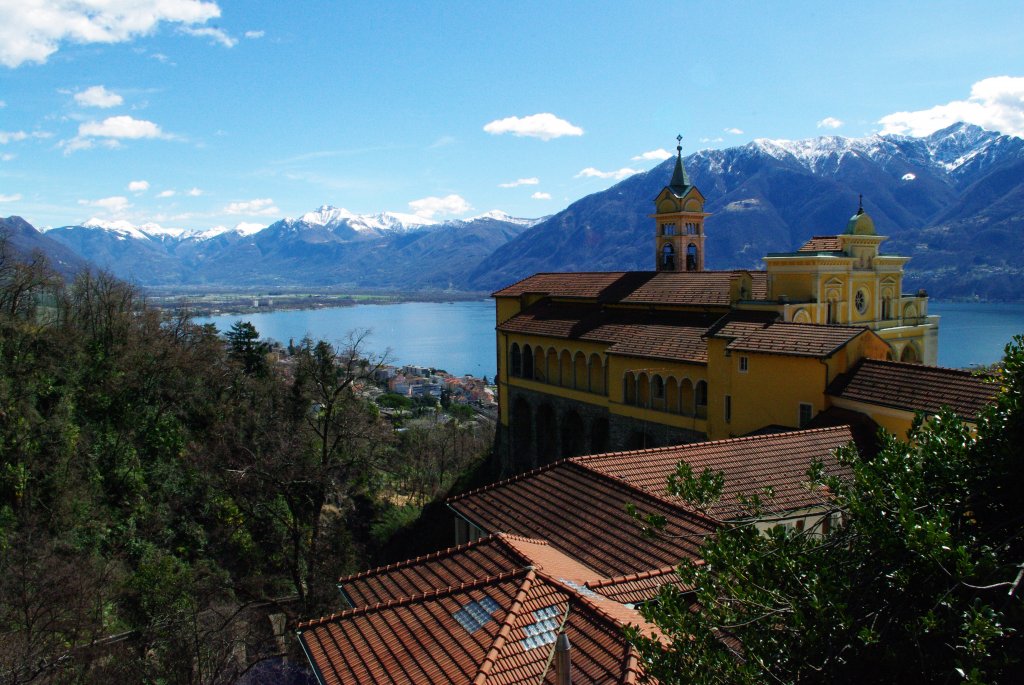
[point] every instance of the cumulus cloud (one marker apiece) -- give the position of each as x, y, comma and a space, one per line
520, 182
428, 207
18, 136
98, 96
165, 193
545, 126
252, 207
591, 172
138, 186
115, 205
996, 104
112, 130
10, 198
830, 122
255, 34
659, 155
216, 35
733, 131
541, 196
194, 192
32, 30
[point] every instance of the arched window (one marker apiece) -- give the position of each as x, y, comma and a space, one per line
596, 374
527, 362
657, 388
668, 257
516, 362
628, 389
691, 257
700, 399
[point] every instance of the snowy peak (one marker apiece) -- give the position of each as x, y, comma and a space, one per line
332, 217
498, 215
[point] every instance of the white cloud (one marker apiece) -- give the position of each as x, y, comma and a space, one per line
659, 154
733, 131
138, 186
18, 136
996, 104
830, 122
591, 172
165, 193
2, 104
545, 126
32, 30
255, 34
252, 207
449, 204
520, 182
10, 198
122, 126
195, 192
541, 196
218, 35
98, 96
6, 157
115, 205
719, 139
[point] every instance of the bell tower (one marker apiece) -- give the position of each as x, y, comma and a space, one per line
679, 222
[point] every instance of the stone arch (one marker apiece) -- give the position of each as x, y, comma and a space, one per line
668, 257
527, 362
888, 354
910, 311
565, 369
700, 399
686, 397
539, 365
580, 375
522, 430
672, 395
801, 316
551, 366
628, 388
596, 374
547, 434
657, 392
691, 257
573, 434
515, 360
910, 354
887, 303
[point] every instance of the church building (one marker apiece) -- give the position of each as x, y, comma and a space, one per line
601, 361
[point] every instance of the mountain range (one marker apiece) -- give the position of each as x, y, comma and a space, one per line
953, 201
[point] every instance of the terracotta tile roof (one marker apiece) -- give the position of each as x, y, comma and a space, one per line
636, 588
915, 387
489, 556
750, 464
799, 339
581, 512
738, 323
665, 335
822, 243
496, 630
707, 288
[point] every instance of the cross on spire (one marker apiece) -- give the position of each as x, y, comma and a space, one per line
679, 145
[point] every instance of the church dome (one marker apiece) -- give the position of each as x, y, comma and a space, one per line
860, 224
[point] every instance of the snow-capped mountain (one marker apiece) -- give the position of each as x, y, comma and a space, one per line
953, 201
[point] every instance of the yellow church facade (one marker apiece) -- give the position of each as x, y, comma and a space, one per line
592, 362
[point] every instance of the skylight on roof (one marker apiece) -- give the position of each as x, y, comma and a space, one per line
543, 630
476, 614
582, 589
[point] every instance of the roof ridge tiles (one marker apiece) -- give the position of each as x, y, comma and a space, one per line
967, 373
415, 597
454, 549
629, 577
598, 604
506, 481
491, 658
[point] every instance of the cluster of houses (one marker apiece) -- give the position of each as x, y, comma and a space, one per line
419, 381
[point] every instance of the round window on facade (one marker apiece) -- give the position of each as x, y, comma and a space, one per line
860, 301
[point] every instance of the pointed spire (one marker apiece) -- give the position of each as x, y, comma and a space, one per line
680, 181
860, 203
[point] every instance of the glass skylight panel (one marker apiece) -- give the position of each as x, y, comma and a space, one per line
582, 589
476, 615
544, 629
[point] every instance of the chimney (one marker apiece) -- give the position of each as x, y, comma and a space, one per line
563, 662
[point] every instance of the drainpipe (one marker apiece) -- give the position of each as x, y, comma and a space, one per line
563, 660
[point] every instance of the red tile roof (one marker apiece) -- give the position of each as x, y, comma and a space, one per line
636, 588
751, 464
915, 387
798, 339
495, 630
822, 243
706, 288
581, 512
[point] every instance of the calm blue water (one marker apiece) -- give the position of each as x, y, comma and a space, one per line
459, 336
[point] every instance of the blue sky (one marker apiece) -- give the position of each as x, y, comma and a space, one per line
197, 114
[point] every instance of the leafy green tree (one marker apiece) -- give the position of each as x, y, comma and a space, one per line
921, 582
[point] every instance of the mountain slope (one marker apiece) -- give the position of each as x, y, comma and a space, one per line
25, 239
954, 201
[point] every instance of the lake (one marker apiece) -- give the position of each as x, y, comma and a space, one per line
459, 336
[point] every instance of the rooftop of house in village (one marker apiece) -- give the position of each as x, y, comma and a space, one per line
915, 388
497, 628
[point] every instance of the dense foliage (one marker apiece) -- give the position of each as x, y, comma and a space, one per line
164, 490
920, 583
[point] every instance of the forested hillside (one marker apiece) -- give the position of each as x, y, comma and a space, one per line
173, 489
